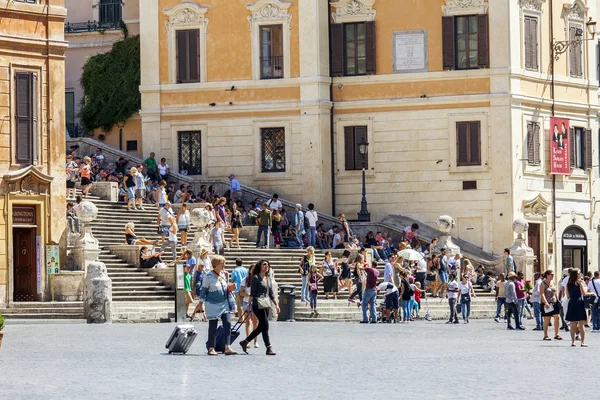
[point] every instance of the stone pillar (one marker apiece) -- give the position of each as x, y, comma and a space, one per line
86, 247
97, 294
200, 218
521, 253
445, 224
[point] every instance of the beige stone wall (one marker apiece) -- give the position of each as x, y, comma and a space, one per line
36, 44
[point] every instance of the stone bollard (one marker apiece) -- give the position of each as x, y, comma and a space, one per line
97, 294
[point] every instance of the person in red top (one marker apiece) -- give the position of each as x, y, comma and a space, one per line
370, 294
521, 295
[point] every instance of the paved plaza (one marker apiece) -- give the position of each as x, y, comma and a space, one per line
315, 361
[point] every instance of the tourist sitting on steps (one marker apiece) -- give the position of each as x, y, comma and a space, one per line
149, 260
131, 237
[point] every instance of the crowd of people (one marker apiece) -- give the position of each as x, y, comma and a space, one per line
412, 271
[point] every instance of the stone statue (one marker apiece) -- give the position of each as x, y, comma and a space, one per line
97, 294
445, 224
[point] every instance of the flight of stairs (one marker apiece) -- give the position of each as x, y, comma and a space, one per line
59, 311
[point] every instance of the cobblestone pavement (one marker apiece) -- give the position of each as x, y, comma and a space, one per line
315, 361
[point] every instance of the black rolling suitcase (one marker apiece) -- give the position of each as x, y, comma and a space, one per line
181, 339
235, 333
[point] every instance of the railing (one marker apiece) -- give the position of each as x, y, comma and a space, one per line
271, 67
91, 26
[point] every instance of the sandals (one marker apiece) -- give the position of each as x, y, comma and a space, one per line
558, 337
546, 338
573, 345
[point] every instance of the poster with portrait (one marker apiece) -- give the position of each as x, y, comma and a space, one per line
560, 154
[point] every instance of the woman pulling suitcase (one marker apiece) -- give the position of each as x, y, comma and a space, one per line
261, 296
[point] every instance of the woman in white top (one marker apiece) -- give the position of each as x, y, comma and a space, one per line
183, 223
465, 288
251, 320
161, 195
163, 168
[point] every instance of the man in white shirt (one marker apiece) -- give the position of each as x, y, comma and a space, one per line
536, 298
594, 287
562, 298
421, 272
338, 240
410, 232
312, 218
392, 300
274, 203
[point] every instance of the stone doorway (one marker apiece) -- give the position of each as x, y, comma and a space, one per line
24, 264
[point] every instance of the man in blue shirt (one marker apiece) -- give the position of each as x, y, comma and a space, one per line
388, 272
510, 262
238, 276
235, 188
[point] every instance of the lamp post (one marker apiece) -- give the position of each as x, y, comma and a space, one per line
364, 215
560, 47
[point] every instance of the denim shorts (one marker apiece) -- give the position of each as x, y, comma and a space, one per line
164, 230
131, 193
443, 277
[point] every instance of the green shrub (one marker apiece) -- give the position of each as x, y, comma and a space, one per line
110, 83
1, 322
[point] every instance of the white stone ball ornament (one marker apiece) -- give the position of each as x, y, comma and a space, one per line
445, 223
87, 211
520, 226
200, 217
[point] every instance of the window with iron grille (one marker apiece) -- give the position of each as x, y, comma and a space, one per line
272, 143
468, 143
271, 52
189, 152
132, 145
110, 11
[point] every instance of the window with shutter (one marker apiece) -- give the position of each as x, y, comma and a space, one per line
337, 50
530, 32
468, 143
572, 146
271, 52
587, 145
188, 55
465, 42
533, 143
448, 42
370, 47
24, 117
353, 136
575, 52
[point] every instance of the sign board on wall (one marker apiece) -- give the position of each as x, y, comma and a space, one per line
23, 215
52, 259
410, 51
560, 154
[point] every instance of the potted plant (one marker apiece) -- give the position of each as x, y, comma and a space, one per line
1, 328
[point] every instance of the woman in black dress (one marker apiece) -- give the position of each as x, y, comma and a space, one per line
576, 314
148, 260
345, 280
236, 225
330, 272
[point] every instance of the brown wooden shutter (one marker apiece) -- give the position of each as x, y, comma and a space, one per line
474, 143
462, 151
23, 117
370, 45
448, 42
360, 134
537, 159
337, 50
530, 150
527, 36
482, 41
534, 43
588, 149
181, 49
194, 55
349, 148
34, 118
572, 145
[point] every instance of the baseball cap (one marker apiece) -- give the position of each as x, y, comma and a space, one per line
231, 175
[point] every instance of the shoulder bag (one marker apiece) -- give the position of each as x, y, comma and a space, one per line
264, 302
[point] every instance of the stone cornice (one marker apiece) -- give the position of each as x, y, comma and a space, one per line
465, 7
353, 11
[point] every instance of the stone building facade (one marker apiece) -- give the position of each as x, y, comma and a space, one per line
32, 146
453, 101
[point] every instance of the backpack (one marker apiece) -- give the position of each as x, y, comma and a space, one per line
411, 291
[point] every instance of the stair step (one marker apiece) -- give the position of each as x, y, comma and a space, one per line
143, 298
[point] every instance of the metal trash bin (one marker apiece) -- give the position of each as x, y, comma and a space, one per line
287, 303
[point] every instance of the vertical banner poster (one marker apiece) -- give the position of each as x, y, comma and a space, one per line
560, 153
52, 259
38, 262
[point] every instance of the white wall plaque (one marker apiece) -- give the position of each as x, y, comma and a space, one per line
410, 51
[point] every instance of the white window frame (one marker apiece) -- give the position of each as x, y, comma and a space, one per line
340, 157
482, 117
462, 7
272, 176
269, 12
186, 16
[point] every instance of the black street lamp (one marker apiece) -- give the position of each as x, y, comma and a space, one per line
363, 215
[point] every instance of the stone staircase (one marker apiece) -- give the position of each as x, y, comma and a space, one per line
44, 310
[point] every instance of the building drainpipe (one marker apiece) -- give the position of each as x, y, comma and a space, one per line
552, 65
331, 115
